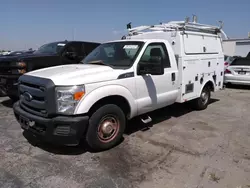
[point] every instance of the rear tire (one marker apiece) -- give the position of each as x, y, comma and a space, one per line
106, 127
202, 102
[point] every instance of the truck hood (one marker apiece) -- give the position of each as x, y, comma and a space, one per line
23, 57
77, 74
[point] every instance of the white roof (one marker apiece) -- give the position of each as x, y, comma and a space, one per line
136, 40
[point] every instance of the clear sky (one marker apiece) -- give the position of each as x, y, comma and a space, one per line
31, 23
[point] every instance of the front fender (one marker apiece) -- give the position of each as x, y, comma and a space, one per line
88, 101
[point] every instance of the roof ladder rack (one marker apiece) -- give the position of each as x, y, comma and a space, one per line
178, 26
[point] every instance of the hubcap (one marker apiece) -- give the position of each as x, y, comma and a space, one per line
108, 128
204, 97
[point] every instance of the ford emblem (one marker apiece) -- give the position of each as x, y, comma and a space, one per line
27, 96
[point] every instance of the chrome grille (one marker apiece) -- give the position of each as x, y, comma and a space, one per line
6, 68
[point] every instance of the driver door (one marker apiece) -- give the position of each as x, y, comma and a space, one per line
156, 91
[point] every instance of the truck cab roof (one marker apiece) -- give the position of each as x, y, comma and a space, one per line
138, 40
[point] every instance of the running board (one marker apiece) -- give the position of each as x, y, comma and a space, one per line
146, 120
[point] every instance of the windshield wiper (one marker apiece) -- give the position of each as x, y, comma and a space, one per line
97, 62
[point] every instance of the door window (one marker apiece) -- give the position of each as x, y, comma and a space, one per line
88, 47
156, 50
74, 47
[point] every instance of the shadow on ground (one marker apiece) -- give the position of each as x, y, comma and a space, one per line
55, 149
134, 125
58, 149
8, 103
243, 87
160, 115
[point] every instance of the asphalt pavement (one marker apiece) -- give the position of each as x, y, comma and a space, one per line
182, 148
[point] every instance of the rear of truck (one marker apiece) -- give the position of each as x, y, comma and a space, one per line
201, 64
199, 55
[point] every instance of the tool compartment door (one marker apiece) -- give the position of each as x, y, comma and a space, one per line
202, 61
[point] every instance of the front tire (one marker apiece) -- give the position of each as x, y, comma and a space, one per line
106, 127
202, 102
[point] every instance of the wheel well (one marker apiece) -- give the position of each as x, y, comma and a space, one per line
114, 99
210, 85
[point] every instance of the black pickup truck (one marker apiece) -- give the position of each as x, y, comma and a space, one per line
48, 55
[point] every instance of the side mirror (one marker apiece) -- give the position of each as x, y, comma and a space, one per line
153, 67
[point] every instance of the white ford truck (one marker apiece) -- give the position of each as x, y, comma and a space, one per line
150, 68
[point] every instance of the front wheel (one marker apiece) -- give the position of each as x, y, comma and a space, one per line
202, 102
106, 127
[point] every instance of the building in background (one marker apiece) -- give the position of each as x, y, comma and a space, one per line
237, 47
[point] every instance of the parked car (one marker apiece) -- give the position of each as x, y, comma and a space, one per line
48, 55
13, 53
238, 72
5, 53
120, 80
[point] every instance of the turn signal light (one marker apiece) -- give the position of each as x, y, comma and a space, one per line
21, 64
21, 71
78, 95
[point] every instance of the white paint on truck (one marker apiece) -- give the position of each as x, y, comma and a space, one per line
145, 71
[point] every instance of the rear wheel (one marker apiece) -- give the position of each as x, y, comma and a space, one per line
202, 102
106, 127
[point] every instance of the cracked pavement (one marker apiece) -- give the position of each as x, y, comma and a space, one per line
181, 149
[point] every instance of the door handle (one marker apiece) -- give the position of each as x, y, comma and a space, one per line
173, 76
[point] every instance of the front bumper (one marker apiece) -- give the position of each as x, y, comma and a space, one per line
62, 130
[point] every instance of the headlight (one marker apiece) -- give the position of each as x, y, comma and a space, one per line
68, 98
18, 71
19, 64
18, 67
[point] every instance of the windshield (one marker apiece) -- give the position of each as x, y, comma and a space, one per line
50, 48
115, 54
241, 62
